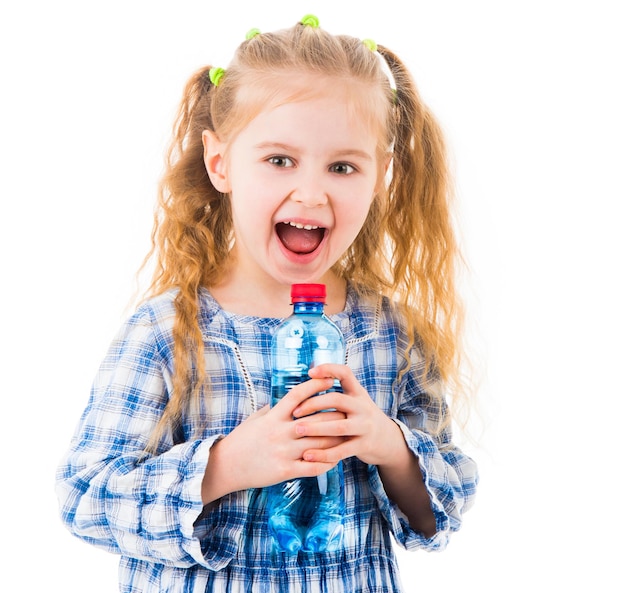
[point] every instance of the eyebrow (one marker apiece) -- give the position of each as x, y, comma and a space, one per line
347, 152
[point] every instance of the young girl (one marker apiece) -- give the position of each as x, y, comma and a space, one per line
309, 159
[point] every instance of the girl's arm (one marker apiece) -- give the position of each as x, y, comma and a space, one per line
111, 493
402, 478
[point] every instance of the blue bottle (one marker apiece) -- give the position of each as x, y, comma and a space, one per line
306, 513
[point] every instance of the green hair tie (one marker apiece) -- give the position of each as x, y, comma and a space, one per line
370, 44
252, 33
310, 21
215, 75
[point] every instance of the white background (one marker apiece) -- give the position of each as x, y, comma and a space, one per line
531, 96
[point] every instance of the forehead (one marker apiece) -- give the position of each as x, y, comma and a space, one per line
368, 107
320, 125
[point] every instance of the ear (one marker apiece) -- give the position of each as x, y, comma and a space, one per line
215, 162
383, 178
387, 161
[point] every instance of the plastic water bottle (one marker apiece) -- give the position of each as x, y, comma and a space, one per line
306, 513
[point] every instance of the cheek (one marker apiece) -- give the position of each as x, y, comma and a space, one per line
359, 206
255, 188
245, 195
353, 216
252, 211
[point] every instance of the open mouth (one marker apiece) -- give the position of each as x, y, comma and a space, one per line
300, 238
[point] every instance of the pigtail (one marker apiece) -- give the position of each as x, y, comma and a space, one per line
190, 242
423, 262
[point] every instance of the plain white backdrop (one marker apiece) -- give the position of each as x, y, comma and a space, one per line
531, 96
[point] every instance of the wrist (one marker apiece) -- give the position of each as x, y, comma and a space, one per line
216, 480
397, 455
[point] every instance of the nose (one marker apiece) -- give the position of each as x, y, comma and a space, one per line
310, 191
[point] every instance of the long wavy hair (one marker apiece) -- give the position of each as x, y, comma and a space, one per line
407, 247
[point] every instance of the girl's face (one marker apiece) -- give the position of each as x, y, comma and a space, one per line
301, 177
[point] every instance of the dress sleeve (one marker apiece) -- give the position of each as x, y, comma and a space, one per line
114, 496
450, 476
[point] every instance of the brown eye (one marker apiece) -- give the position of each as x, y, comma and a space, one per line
342, 168
281, 161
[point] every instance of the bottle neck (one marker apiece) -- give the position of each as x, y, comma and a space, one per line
310, 308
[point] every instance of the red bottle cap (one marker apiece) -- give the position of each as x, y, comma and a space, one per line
308, 293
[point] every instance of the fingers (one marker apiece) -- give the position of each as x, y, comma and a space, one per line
327, 416
312, 468
318, 426
360, 427
330, 456
323, 403
322, 379
301, 393
315, 442
342, 372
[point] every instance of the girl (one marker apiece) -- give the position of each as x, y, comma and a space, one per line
299, 163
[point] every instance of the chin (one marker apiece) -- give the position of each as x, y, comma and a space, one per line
300, 275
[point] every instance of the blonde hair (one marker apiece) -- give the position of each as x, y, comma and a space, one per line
406, 249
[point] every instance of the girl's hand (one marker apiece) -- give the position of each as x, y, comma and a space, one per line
364, 431
268, 448
368, 433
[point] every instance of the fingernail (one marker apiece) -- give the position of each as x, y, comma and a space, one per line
299, 429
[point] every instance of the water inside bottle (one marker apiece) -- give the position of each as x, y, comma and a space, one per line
305, 513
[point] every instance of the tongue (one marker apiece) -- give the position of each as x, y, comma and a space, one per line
299, 240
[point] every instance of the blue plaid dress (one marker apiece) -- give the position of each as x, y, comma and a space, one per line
149, 510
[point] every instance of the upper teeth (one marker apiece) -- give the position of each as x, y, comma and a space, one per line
306, 227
